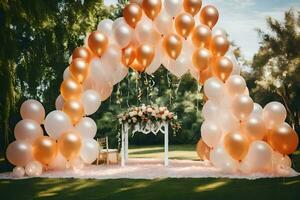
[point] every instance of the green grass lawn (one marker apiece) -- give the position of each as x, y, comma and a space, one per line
173, 189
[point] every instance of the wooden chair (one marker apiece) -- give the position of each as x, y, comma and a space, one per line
103, 150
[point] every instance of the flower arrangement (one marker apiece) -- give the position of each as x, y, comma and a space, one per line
149, 113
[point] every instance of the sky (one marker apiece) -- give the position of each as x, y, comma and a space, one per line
241, 18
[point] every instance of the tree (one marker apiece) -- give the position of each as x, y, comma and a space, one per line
276, 66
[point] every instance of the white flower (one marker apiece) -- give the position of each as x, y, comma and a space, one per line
175, 117
124, 118
161, 109
140, 113
149, 110
120, 120
129, 120
163, 117
166, 112
134, 119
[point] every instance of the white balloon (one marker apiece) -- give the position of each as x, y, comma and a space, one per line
67, 73
89, 150
173, 7
56, 123
164, 23
227, 121
118, 21
91, 101
146, 33
236, 67
34, 168
222, 160
99, 74
274, 113
87, 127
257, 110
123, 34
156, 62
258, 158
219, 32
77, 164
59, 103
18, 172
194, 73
214, 89
235, 85
210, 133
210, 111
27, 130
105, 26
121, 73
179, 66
59, 163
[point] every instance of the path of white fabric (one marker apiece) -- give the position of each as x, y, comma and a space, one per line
151, 169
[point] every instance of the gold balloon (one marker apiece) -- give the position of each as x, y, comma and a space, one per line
132, 14
219, 45
152, 8
70, 89
283, 139
144, 55
44, 150
201, 36
202, 150
172, 45
222, 68
82, 52
98, 42
204, 75
135, 65
192, 6
237, 145
70, 144
201, 58
128, 55
74, 109
79, 69
209, 16
184, 24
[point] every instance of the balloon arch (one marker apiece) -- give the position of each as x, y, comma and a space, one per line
238, 135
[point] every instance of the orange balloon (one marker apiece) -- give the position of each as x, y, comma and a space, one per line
236, 145
192, 6
79, 69
201, 58
44, 149
128, 55
82, 52
283, 139
222, 68
136, 66
132, 14
71, 89
184, 24
219, 45
172, 45
202, 150
74, 109
144, 55
201, 36
98, 42
204, 75
70, 144
209, 16
152, 8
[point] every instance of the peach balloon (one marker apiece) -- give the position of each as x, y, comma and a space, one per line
192, 6
79, 69
209, 16
152, 8
283, 139
203, 150
219, 45
28, 130
98, 42
236, 145
201, 36
128, 55
32, 109
235, 85
71, 89
274, 113
132, 14
222, 68
254, 128
83, 53
201, 58
172, 44
44, 150
19, 153
184, 24
74, 109
144, 55
242, 106
70, 144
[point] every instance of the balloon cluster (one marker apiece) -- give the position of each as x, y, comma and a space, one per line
178, 34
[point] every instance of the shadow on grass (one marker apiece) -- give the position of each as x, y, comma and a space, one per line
173, 189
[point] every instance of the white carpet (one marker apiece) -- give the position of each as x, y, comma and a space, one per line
151, 169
